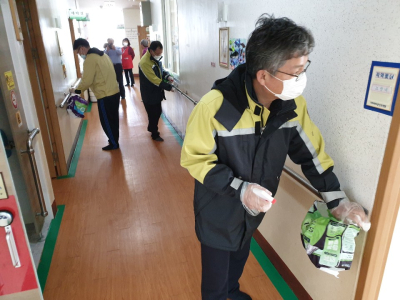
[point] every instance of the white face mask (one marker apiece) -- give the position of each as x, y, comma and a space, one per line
125, 44
157, 57
83, 56
291, 88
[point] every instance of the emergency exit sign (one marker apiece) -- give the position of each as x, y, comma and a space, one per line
78, 15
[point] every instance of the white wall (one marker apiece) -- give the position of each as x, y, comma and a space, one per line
156, 30
19, 61
349, 36
337, 77
132, 21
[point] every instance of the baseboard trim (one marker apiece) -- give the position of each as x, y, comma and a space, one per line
71, 154
174, 129
54, 207
75, 158
281, 267
49, 246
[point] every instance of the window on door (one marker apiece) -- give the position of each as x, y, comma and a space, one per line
171, 40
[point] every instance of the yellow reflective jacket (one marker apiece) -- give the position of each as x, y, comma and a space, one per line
98, 74
231, 138
152, 80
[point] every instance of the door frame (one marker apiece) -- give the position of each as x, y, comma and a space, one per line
73, 38
383, 217
141, 30
47, 115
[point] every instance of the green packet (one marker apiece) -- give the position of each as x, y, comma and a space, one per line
329, 243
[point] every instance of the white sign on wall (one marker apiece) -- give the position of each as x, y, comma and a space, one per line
132, 34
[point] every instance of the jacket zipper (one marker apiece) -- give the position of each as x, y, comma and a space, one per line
262, 122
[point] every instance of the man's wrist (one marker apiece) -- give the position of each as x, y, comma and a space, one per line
334, 203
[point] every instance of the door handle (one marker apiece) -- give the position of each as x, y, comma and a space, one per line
12, 247
6, 219
32, 159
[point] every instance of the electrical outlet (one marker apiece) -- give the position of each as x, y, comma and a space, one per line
213, 64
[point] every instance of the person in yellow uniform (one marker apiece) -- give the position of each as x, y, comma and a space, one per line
236, 143
154, 80
99, 76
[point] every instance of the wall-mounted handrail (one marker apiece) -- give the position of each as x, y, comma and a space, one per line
183, 94
31, 153
67, 96
302, 181
289, 171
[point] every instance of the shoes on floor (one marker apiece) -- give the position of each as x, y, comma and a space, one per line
110, 147
239, 295
127, 84
132, 85
159, 139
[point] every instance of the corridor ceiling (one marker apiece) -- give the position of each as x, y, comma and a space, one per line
119, 4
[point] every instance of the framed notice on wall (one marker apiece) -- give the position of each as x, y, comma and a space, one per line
224, 47
383, 87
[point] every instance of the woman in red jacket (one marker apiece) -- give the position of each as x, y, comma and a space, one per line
127, 56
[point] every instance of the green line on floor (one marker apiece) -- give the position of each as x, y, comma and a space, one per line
49, 245
89, 108
273, 275
269, 269
77, 152
172, 129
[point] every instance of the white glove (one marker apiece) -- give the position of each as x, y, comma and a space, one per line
170, 79
255, 198
351, 213
72, 90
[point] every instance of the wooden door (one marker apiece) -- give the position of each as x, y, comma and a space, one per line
143, 33
42, 89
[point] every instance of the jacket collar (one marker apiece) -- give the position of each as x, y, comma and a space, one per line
238, 92
95, 51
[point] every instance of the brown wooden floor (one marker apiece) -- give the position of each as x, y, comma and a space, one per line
128, 226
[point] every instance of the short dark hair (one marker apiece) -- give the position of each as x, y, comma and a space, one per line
274, 41
126, 39
155, 44
81, 43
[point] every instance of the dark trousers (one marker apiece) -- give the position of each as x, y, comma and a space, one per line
129, 73
221, 271
153, 113
120, 79
109, 118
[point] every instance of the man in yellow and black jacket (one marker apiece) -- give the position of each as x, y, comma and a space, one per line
237, 140
152, 85
99, 75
